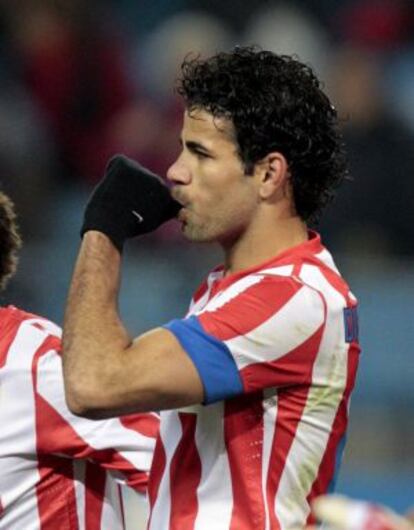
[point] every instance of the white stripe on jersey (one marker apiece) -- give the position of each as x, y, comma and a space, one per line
112, 509
260, 343
269, 421
215, 470
162, 508
286, 270
327, 259
195, 305
79, 469
231, 292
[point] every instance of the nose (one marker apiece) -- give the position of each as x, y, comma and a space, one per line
178, 172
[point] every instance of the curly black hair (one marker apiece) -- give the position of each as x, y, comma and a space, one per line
10, 241
275, 103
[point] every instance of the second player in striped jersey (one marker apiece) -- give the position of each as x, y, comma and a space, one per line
57, 470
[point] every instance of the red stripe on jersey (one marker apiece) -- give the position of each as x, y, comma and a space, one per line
290, 406
56, 497
243, 434
95, 481
157, 470
146, 424
250, 308
328, 463
185, 474
293, 368
336, 281
297, 267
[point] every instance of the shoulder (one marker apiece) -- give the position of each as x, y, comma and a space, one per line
260, 299
261, 287
13, 317
321, 274
26, 333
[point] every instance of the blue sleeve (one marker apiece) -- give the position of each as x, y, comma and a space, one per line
211, 357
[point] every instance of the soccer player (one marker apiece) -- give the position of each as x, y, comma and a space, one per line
254, 382
54, 466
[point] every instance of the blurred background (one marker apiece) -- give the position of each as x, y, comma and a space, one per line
81, 81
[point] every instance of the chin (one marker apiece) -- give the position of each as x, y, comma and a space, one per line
197, 234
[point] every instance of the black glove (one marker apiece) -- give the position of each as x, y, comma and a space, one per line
129, 201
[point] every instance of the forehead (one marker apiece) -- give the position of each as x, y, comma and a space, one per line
202, 125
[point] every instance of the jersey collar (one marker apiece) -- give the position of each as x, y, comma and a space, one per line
308, 248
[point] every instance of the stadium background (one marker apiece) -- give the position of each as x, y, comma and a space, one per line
83, 80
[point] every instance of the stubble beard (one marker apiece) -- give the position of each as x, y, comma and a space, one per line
198, 233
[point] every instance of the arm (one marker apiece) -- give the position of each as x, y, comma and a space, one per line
235, 349
106, 372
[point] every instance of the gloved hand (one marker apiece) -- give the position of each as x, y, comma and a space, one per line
129, 201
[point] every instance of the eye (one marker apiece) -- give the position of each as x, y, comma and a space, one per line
201, 155
197, 150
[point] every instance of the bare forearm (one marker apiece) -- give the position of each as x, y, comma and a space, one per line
94, 336
105, 372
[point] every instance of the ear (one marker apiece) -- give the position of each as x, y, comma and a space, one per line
272, 172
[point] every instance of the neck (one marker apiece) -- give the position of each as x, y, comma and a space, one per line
261, 243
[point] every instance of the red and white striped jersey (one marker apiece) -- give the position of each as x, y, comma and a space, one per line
54, 465
277, 351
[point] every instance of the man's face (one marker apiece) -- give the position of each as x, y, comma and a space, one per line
218, 199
